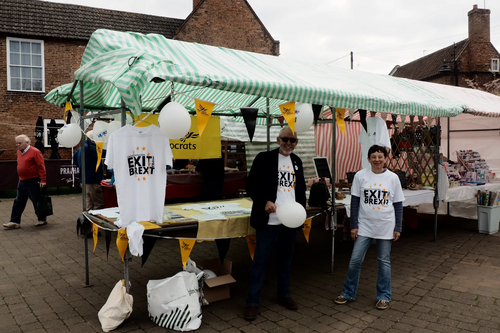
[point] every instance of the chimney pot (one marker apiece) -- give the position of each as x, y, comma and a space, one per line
474, 7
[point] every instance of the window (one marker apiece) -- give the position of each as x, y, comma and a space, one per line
495, 65
25, 63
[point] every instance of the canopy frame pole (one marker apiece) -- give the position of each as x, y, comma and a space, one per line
435, 201
333, 215
268, 127
84, 185
123, 110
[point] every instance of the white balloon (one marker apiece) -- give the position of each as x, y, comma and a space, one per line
174, 121
304, 117
291, 214
100, 133
69, 135
208, 274
113, 126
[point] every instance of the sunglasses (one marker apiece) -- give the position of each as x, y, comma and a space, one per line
292, 140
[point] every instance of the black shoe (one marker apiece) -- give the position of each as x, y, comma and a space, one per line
287, 303
251, 313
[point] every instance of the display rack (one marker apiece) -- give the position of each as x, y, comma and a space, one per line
234, 154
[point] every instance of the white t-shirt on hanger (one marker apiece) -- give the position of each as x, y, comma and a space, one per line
138, 157
376, 134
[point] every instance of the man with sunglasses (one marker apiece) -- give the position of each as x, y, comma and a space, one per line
276, 177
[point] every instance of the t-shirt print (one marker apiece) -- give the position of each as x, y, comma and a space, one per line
141, 163
376, 196
286, 178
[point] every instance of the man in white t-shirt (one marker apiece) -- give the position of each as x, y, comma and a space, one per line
276, 177
376, 214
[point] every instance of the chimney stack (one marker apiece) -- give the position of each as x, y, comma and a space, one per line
479, 25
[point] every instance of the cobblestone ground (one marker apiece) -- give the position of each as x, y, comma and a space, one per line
451, 285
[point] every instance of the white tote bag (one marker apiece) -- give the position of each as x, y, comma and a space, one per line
173, 302
117, 308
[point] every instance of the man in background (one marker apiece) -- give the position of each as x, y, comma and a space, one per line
93, 189
32, 176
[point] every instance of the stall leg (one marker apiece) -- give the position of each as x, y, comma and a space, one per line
86, 256
128, 257
333, 226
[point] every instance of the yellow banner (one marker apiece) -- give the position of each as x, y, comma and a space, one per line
186, 248
122, 242
252, 242
146, 119
307, 228
203, 111
193, 146
95, 230
67, 108
340, 119
288, 112
99, 148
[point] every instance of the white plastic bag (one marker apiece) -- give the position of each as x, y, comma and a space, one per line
117, 308
173, 302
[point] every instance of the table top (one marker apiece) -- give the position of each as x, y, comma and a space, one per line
462, 193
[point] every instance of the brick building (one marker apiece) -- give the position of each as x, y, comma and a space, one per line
41, 45
473, 58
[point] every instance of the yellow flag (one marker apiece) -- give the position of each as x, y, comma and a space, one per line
252, 242
288, 112
203, 111
67, 108
95, 230
340, 119
307, 228
122, 242
99, 148
186, 248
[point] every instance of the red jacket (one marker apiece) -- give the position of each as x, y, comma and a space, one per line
31, 165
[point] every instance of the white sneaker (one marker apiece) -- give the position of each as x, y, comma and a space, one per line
40, 223
11, 225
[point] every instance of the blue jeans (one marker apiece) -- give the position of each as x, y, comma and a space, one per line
26, 189
361, 246
285, 241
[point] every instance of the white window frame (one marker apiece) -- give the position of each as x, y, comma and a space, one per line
9, 65
495, 64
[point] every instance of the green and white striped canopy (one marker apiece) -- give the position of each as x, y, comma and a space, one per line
141, 69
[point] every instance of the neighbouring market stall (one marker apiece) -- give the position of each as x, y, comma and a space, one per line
141, 73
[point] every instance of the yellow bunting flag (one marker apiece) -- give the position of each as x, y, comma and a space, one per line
340, 119
95, 230
122, 242
288, 112
99, 148
186, 248
252, 242
307, 228
203, 112
67, 108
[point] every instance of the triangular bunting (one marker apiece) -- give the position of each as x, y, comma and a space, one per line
223, 247
147, 247
186, 246
307, 228
107, 238
67, 111
99, 149
95, 230
340, 119
251, 242
288, 111
203, 111
317, 112
362, 119
122, 242
250, 117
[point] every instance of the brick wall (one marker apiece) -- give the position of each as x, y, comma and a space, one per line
19, 111
228, 23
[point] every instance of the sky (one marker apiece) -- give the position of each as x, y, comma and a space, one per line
380, 33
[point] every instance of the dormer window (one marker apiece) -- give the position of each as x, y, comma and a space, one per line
495, 65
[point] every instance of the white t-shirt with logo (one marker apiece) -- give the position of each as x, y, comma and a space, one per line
138, 157
286, 185
376, 134
377, 193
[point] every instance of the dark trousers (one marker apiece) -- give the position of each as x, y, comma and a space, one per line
266, 238
26, 189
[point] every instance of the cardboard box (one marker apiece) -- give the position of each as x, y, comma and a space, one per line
217, 288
